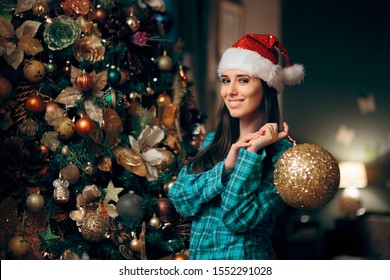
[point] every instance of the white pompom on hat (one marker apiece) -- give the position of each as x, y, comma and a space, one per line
257, 55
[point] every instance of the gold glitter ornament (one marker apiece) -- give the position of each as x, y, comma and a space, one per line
306, 176
53, 116
50, 140
94, 226
29, 127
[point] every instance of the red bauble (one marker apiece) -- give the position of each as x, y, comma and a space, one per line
165, 210
84, 81
34, 104
84, 126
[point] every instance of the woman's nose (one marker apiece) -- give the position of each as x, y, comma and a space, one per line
232, 88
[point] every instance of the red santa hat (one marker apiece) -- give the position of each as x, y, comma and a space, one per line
257, 55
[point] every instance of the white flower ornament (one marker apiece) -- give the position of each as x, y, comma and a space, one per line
151, 156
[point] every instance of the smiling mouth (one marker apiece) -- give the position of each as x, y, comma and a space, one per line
234, 103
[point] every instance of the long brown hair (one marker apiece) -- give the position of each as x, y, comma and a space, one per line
227, 131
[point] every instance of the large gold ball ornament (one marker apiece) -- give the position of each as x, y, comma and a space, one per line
34, 71
65, 128
34, 104
18, 247
35, 202
94, 227
5, 89
306, 176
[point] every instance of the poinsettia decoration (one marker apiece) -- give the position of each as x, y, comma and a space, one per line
14, 44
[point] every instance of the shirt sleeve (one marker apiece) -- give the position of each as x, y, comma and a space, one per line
190, 191
250, 196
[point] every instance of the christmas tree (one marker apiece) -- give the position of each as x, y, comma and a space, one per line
96, 119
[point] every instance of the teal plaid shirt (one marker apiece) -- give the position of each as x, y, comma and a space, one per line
233, 215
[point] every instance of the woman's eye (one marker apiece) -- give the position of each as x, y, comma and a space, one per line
244, 80
225, 81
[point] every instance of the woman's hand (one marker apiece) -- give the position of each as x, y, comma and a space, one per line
232, 156
253, 142
268, 134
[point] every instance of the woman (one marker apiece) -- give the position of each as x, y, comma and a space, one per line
228, 187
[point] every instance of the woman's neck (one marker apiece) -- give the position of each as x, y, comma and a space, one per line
249, 126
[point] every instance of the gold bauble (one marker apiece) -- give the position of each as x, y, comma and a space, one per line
94, 227
155, 222
168, 185
306, 176
65, 128
40, 8
135, 245
133, 22
34, 71
165, 63
71, 173
35, 202
89, 169
18, 247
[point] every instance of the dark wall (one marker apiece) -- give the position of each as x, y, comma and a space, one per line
344, 46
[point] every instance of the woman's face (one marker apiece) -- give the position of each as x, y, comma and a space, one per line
242, 94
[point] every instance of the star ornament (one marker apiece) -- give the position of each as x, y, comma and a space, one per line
47, 238
111, 193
